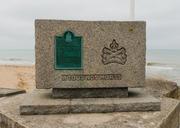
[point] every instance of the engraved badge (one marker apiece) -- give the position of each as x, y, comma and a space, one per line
114, 54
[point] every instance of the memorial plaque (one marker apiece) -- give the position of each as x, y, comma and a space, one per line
68, 51
85, 74
90, 54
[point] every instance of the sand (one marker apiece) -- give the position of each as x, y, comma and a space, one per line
18, 77
23, 77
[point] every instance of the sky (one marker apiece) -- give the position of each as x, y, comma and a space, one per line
17, 18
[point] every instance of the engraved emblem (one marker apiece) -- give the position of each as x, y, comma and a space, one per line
114, 54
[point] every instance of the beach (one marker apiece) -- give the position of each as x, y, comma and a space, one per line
18, 77
17, 67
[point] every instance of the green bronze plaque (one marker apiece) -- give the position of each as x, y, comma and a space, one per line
68, 50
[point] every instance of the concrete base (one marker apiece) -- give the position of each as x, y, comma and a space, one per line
41, 102
8, 92
89, 92
168, 117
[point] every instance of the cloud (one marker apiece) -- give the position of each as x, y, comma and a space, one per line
17, 18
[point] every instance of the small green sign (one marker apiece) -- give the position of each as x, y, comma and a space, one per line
68, 51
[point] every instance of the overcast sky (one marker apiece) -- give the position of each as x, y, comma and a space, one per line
17, 18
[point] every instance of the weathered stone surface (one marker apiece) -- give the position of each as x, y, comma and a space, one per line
40, 102
166, 118
9, 115
90, 92
159, 87
113, 54
8, 91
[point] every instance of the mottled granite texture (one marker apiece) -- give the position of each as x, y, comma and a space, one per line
65, 93
130, 39
41, 102
166, 118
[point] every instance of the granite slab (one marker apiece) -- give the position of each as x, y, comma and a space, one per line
65, 93
112, 54
167, 117
41, 102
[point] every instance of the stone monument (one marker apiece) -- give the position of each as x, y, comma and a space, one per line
91, 66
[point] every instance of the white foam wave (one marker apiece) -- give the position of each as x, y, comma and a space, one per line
15, 61
160, 67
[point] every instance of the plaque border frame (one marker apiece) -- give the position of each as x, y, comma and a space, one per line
71, 68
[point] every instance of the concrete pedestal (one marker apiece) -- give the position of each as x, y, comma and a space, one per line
167, 117
41, 102
89, 92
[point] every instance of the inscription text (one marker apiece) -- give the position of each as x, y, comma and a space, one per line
91, 77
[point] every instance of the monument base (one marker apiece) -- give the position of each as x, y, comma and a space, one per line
66, 93
40, 102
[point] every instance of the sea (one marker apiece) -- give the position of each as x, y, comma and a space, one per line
17, 57
163, 64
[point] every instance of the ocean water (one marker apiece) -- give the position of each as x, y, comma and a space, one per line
17, 57
164, 64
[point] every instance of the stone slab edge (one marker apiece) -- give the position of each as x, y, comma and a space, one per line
139, 101
90, 93
7, 122
91, 108
165, 123
172, 119
10, 92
